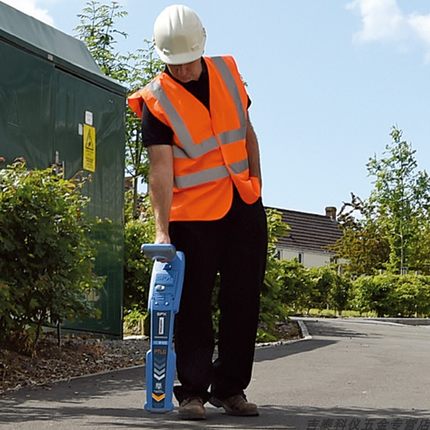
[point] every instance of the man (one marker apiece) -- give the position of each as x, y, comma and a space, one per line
205, 184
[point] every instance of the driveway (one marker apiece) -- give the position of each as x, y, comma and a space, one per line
352, 374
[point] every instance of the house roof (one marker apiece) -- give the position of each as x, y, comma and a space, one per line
308, 231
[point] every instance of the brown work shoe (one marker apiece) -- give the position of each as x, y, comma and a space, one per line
236, 405
192, 409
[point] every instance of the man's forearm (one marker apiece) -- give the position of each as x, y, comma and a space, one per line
253, 152
161, 190
161, 199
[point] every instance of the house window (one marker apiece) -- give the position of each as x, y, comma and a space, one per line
300, 257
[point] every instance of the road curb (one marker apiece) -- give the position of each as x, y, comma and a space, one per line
303, 329
48, 385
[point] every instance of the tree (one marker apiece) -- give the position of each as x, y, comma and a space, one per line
98, 29
420, 254
144, 67
392, 228
363, 248
400, 200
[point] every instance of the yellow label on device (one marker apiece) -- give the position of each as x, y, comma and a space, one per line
158, 397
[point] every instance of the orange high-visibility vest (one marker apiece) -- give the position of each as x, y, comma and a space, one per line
209, 146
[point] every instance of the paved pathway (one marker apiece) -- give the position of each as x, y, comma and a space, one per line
351, 375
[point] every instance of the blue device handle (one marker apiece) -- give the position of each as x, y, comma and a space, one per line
159, 251
163, 303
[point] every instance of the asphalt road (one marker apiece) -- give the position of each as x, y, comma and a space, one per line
352, 375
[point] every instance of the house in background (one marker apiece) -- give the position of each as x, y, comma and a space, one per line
309, 236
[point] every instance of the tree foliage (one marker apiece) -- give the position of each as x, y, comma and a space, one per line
137, 270
400, 199
98, 29
391, 230
363, 248
297, 286
272, 309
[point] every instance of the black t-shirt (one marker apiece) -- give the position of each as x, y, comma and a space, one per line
155, 132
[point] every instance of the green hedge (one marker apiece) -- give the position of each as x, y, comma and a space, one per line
393, 295
383, 295
46, 254
137, 269
320, 287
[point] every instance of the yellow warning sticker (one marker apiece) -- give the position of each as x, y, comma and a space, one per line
89, 144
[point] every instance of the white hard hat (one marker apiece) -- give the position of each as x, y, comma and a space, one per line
179, 35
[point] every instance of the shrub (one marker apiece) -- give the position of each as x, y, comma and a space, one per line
136, 323
320, 287
46, 255
339, 293
137, 270
393, 295
370, 294
297, 286
272, 309
323, 313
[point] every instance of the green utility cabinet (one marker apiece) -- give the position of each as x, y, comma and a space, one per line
57, 107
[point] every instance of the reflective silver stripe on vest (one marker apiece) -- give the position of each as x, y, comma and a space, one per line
239, 166
179, 152
209, 175
203, 148
232, 87
201, 177
178, 125
232, 135
191, 149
